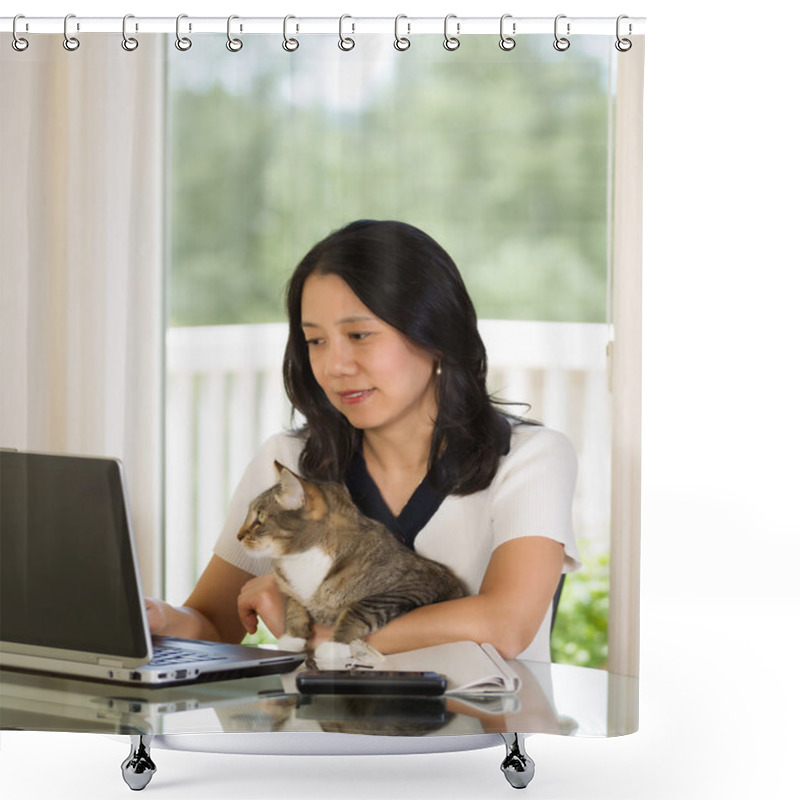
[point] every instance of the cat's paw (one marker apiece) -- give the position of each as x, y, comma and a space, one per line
365, 653
332, 655
294, 644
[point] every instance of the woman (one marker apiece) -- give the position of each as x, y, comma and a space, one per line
385, 363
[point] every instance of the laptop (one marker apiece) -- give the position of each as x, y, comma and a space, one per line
71, 602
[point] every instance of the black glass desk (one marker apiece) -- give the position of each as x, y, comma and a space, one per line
266, 715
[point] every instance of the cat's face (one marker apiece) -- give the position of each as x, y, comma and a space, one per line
278, 518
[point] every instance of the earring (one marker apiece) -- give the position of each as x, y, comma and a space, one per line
438, 368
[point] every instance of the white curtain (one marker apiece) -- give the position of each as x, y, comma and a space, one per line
82, 248
625, 365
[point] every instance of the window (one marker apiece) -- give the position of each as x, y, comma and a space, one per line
504, 157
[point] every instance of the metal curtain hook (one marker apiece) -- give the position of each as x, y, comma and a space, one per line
234, 45
623, 45
401, 43
182, 42
70, 42
128, 42
507, 42
17, 42
345, 43
561, 43
451, 42
290, 45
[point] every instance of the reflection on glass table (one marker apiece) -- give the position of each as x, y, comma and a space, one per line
265, 715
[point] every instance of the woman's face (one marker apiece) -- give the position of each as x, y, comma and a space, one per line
371, 372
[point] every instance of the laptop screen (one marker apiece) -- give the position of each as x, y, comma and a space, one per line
67, 569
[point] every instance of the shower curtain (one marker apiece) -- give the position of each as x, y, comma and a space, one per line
156, 195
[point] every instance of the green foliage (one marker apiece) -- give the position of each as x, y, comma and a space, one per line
580, 635
502, 157
261, 636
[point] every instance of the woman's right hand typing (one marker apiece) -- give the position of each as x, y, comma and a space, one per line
157, 615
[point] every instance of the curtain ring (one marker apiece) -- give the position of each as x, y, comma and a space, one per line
128, 42
234, 45
345, 43
17, 42
289, 45
70, 42
507, 42
623, 45
561, 43
182, 42
451, 42
401, 43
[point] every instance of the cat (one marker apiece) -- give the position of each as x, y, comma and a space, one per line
336, 566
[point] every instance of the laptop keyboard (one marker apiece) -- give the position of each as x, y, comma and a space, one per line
166, 655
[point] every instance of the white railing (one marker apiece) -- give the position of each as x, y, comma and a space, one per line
225, 396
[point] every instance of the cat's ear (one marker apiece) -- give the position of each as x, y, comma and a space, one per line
298, 494
292, 496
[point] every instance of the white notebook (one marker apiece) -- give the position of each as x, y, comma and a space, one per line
470, 668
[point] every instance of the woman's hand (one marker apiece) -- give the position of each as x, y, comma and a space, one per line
261, 597
157, 615
164, 619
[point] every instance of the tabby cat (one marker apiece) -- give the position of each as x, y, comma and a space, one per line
336, 566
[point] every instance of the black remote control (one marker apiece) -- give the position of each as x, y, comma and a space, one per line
359, 682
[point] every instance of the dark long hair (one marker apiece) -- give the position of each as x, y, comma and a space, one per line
407, 280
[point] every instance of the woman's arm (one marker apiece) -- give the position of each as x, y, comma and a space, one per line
517, 589
210, 612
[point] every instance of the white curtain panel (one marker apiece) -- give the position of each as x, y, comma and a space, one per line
82, 217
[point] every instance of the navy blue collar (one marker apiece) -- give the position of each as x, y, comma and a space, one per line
416, 513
